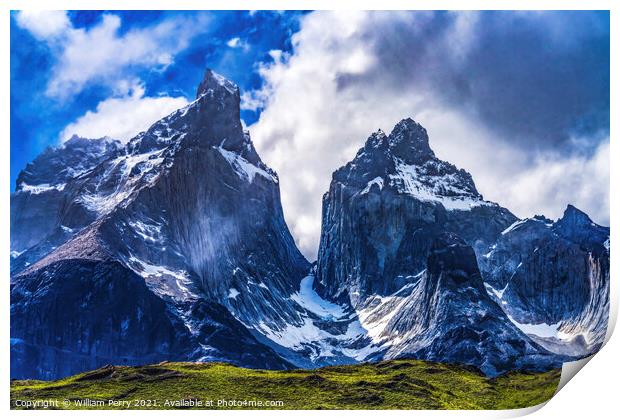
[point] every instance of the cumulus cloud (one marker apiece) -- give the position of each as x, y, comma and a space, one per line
123, 117
237, 42
503, 95
553, 181
44, 24
234, 42
102, 54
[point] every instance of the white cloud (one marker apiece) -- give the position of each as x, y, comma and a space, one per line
253, 100
239, 43
316, 116
234, 42
44, 24
554, 181
123, 117
102, 54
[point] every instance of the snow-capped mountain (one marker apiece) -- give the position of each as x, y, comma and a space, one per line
447, 315
385, 208
190, 218
42, 216
174, 247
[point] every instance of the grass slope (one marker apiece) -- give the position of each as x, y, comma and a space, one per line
402, 384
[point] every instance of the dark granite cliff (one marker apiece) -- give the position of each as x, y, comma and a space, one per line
385, 208
174, 247
187, 242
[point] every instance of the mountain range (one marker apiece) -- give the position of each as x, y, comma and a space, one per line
174, 247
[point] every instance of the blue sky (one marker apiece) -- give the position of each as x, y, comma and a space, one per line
518, 99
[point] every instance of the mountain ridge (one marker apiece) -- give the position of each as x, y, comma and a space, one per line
222, 267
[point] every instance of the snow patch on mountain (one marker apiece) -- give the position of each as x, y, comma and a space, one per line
497, 293
309, 338
41, 188
541, 330
151, 232
147, 161
15, 254
146, 269
103, 203
162, 280
444, 189
309, 299
243, 168
379, 311
225, 83
378, 181
523, 222
125, 172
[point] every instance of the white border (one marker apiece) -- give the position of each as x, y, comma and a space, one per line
579, 400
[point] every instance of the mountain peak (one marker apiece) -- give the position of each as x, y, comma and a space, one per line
577, 226
575, 216
52, 168
574, 219
403, 162
409, 141
73, 138
216, 82
97, 143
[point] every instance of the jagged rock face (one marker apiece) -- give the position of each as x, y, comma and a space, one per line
67, 332
225, 213
448, 316
76, 315
385, 208
42, 214
52, 168
554, 275
224, 228
189, 208
381, 217
175, 247
577, 227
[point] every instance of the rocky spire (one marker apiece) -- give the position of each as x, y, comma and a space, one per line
213, 118
576, 226
404, 162
216, 83
572, 215
409, 142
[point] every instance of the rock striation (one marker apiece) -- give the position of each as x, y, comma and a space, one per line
174, 247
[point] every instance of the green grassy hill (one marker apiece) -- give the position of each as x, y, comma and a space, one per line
402, 384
